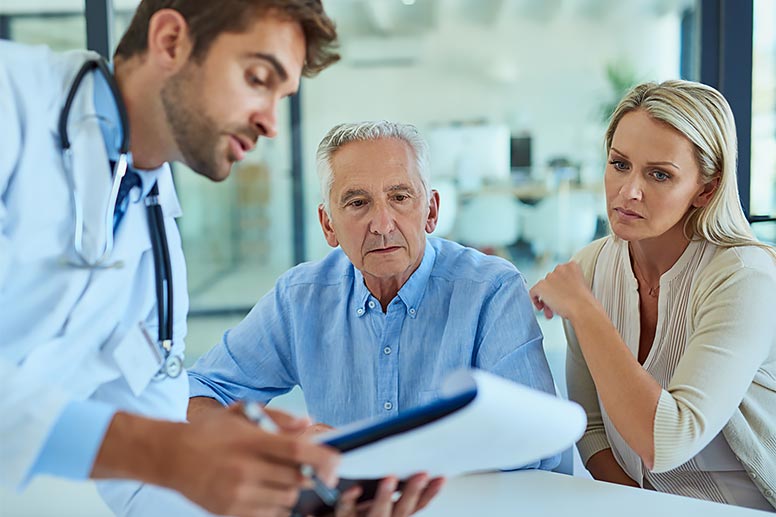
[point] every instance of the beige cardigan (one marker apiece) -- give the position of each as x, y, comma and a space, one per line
725, 374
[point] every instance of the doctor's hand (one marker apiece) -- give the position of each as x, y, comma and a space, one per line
229, 466
563, 292
415, 495
313, 430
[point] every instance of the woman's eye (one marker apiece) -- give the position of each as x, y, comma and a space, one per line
618, 164
660, 175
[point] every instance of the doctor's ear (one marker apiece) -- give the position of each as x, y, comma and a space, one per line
169, 43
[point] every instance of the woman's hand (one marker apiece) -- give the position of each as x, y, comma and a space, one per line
416, 494
562, 291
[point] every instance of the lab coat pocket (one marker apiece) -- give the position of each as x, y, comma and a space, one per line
138, 358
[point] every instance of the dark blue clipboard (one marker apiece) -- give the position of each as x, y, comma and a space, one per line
310, 504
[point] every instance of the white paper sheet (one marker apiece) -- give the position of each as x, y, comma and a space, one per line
506, 426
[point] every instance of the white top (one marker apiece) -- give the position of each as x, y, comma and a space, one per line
709, 324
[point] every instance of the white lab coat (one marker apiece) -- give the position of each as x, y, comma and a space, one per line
59, 325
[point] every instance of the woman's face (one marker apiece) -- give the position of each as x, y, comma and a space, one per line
651, 179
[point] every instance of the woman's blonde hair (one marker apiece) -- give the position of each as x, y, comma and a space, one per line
703, 116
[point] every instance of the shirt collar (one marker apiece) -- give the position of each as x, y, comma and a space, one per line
108, 115
110, 125
411, 293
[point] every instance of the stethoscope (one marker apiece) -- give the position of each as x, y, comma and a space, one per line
172, 365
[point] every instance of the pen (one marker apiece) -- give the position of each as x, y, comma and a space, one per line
254, 412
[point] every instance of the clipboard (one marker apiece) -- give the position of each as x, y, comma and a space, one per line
347, 440
480, 422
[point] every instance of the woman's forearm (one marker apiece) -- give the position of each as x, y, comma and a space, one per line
628, 393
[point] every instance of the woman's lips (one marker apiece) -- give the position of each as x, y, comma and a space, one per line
628, 214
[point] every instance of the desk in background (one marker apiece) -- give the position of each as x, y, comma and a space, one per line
529, 493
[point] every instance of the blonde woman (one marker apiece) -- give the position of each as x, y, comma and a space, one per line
671, 320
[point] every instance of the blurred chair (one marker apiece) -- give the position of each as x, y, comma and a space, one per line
561, 224
448, 207
489, 222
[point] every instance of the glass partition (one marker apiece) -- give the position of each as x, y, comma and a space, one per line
763, 186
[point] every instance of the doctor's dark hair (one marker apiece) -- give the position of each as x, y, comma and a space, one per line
207, 19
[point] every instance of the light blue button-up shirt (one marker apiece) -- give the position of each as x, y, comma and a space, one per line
321, 328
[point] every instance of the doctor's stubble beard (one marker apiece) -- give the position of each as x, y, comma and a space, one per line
196, 133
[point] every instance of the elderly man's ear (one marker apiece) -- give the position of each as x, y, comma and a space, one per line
328, 230
433, 212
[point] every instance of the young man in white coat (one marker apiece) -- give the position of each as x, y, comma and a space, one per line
87, 389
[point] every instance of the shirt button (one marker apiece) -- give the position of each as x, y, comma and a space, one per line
387, 350
371, 305
360, 311
768, 493
388, 406
753, 475
412, 311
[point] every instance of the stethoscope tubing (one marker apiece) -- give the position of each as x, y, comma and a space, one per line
157, 231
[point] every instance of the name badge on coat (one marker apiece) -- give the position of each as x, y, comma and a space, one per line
138, 358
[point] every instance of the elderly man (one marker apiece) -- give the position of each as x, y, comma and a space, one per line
373, 328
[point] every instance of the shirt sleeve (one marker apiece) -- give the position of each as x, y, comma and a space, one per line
510, 343
254, 360
579, 382
30, 410
582, 390
74, 441
731, 335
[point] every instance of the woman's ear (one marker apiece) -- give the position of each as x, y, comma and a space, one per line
706, 193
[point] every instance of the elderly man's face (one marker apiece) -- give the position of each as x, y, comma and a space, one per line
379, 210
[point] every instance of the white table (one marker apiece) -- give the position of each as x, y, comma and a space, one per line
538, 493
529, 493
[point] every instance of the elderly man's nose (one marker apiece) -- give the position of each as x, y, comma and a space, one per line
382, 221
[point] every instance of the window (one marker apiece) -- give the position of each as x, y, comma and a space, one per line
763, 190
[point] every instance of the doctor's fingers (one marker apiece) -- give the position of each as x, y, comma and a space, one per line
260, 501
287, 422
297, 451
239, 490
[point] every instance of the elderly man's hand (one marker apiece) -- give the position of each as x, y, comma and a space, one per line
416, 494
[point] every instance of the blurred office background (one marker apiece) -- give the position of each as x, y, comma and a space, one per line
513, 97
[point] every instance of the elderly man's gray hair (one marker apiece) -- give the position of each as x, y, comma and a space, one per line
342, 134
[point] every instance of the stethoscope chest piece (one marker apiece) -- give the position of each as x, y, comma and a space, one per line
172, 367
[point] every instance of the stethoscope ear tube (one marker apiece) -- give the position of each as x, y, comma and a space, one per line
101, 65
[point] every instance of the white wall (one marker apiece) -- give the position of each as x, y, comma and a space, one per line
547, 78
